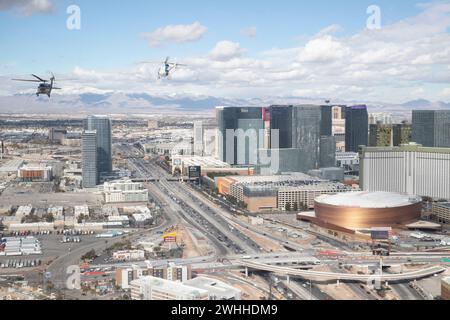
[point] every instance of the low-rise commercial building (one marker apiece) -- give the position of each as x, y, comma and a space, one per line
24, 211
442, 211
56, 135
56, 212
171, 272
181, 164
81, 211
124, 191
303, 196
123, 221
217, 290
32, 227
129, 255
151, 288
35, 173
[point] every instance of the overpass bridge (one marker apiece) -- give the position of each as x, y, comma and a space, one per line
330, 276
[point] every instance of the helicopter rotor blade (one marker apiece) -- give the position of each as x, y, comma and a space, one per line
40, 79
151, 62
25, 80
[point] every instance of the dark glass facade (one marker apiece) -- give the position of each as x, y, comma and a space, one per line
230, 118
281, 119
431, 128
356, 128
102, 126
89, 159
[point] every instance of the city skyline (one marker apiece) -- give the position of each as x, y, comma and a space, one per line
225, 151
311, 51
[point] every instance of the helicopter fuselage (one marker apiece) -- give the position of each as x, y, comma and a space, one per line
164, 72
44, 88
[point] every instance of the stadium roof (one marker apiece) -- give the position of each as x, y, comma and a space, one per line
368, 200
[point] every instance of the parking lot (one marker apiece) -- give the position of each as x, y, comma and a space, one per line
52, 247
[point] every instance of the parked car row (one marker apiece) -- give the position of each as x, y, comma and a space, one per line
30, 233
73, 232
66, 239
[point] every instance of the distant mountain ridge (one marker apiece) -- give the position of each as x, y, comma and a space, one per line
145, 103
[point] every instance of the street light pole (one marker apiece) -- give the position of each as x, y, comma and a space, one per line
310, 289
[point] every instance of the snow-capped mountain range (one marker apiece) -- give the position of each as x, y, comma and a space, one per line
143, 103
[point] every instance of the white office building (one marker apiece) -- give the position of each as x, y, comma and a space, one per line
124, 191
217, 290
151, 288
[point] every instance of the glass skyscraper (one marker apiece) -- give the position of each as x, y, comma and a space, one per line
306, 129
102, 125
303, 131
89, 159
431, 128
237, 149
356, 128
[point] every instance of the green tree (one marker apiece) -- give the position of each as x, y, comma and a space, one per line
49, 218
89, 255
295, 206
287, 207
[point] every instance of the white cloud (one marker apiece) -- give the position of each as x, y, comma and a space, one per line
176, 33
250, 32
226, 50
445, 93
323, 49
334, 28
27, 7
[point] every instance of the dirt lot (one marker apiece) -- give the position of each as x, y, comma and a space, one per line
265, 243
191, 250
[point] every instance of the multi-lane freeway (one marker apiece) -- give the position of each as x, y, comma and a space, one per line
225, 239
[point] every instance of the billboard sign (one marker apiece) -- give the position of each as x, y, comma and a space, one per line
380, 233
195, 172
170, 237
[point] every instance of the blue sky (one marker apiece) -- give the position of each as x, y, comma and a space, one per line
111, 36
